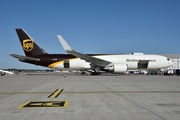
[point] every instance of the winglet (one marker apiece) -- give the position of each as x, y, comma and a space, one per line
65, 45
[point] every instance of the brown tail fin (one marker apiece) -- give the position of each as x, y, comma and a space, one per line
30, 47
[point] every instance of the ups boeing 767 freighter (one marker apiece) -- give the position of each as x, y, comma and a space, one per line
115, 63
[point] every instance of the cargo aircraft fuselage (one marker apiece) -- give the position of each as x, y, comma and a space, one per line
115, 63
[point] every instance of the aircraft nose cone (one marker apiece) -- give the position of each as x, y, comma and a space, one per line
170, 63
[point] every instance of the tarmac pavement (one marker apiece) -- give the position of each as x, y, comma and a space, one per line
44, 96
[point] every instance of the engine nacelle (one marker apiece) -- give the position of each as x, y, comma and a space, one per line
116, 68
2, 73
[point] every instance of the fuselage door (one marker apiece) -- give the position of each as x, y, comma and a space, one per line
143, 64
66, 63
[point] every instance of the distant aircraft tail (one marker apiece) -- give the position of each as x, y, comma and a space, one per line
30, 47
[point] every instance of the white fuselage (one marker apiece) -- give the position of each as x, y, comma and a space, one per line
154, 62
2, 72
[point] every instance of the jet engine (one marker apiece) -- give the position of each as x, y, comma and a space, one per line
2, 73
116, 68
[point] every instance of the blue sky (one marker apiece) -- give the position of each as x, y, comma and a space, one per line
90, 26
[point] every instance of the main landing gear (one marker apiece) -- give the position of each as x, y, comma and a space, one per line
95, 73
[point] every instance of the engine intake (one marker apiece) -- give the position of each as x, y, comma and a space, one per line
116, 68
2, 73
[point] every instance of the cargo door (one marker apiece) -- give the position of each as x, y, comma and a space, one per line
143, 64
66, 64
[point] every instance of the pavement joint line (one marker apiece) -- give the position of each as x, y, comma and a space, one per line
124, 92
131, 100
25, 92
59, 91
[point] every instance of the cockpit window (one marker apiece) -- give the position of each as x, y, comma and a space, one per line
168, 59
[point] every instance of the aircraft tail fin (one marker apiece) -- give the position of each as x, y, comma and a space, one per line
30, 47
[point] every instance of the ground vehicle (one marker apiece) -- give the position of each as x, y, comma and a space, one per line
178, 72
168, 72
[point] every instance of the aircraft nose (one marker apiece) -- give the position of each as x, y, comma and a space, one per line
170, 63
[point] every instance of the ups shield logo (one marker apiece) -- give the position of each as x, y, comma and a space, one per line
28, 45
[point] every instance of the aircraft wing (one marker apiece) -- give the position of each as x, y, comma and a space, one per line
6, 72
24, 58
93, 60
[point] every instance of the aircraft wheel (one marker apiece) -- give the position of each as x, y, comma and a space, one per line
95, 73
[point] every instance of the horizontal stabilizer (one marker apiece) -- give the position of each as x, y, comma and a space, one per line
24, 58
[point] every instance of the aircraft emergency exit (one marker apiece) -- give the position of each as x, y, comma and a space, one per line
114, 63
